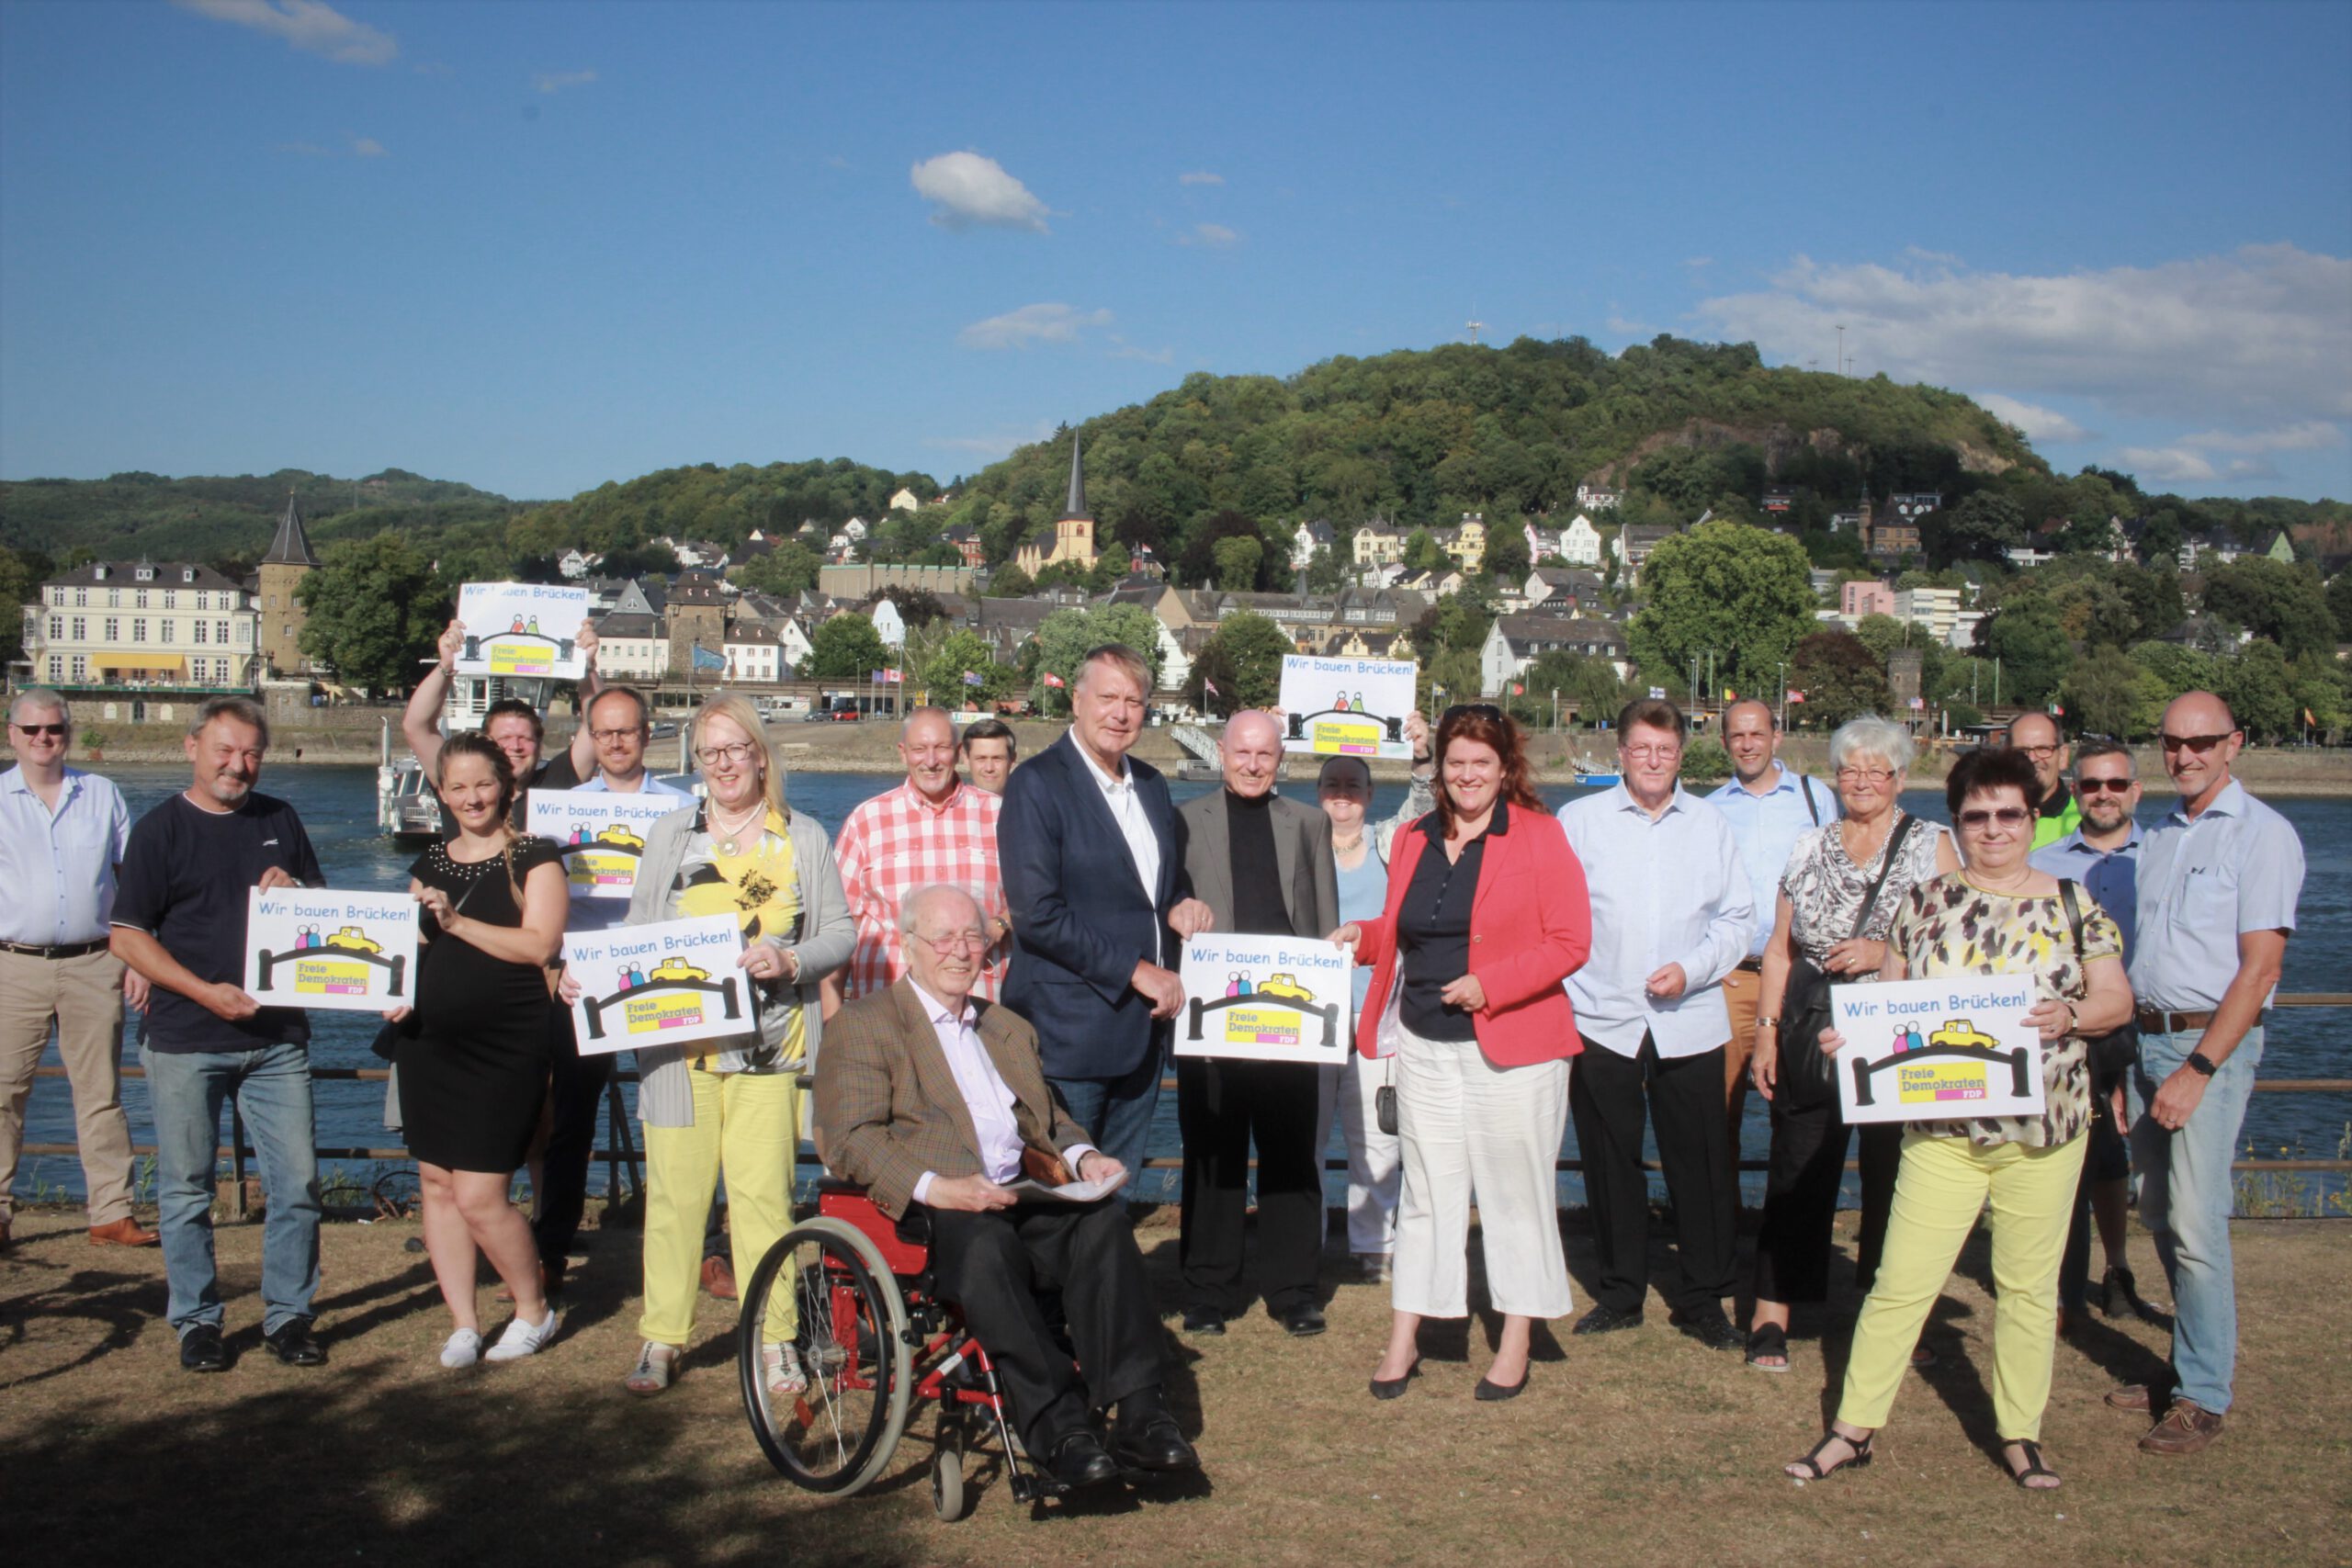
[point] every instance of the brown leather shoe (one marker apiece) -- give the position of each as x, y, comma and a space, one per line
2137, 1397
2186, 1427
718, 1278
124, 1232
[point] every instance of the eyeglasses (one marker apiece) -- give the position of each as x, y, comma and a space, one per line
958, 941
1487, 711
1652, 753
2040, 753
609, 737
2006, 816
55, 729
1864, 775
2200, 744
739, 752
2108, 786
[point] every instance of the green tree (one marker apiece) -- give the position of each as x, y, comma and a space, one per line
1507, 554
1009, 582
1237, 563
1839, 677
1589, 684
2106, 693
1704, 762
20, 580
2258, 689
1423, 554
1243, 659
2322, 690
376, 609
845, 649
1324, 569
943, 670
2033, 651
1983, 526
788, 568
2339, 604
2272, 599
1744, 593
1064, 636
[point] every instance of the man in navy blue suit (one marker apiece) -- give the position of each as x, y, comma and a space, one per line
1086, 845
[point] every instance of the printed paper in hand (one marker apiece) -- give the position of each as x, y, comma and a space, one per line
316, 947
1353, 707
665, 982
522, 629
1076, 1192
1938, 1050
600, 835
1266, 999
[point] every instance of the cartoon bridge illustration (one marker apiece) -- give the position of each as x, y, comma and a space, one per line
1305, 1008
725, 990
1391, 729
340, 948
561, 645
1954, 1042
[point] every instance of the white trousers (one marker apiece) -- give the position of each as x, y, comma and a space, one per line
1470, 1128
1373, 1156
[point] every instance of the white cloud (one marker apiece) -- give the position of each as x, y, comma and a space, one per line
993, 446
556, 80
2209, 455
2310, 436
1209, 236
1031, 324
972, 192
2167, 465
311, 26
1625, 325
1199, 177
367, 147
1122, 349
2262, 333
2038, 423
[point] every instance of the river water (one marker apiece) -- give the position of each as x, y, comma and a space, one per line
338, 806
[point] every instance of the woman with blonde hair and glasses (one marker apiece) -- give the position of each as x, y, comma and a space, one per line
732, 1103
1838, 894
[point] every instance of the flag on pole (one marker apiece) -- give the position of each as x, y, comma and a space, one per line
1054, 679
893, 677
1797, 696
972, 677
706, 659
1209, 686
874, 677
1519, 688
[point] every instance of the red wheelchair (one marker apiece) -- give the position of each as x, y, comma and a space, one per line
874, 1337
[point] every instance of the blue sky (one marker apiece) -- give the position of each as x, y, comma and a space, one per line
540, 246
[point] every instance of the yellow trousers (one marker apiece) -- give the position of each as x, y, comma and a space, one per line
748, 1123
1942, 1188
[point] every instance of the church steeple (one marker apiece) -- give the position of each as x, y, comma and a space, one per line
292, 546
1076, 505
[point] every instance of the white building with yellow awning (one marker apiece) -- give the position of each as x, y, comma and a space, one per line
141, 625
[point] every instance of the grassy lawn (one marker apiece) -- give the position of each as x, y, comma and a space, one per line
1639, 1448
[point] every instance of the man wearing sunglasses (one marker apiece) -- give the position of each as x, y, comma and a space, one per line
2104, 856
62, 837
2218, 883
2056, 812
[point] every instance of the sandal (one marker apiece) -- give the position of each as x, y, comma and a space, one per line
780, 1370
2033, 1465
1768, 1339
1810, 1468
656, 1366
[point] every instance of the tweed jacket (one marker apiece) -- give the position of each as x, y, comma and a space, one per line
888, 1107
1303, 868
665, 1095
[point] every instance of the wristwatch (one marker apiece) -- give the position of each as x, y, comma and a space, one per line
2200, 1066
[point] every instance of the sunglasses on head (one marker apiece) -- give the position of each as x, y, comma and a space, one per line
2200, 744
1472, 710
56, 730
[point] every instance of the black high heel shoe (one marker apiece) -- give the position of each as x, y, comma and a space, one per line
1393, 1388
1493, 1393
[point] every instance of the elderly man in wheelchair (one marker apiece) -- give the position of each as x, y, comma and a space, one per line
934, 1102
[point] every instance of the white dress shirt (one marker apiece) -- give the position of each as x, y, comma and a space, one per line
986, 1094
1666, 890
1135, 824
57, 866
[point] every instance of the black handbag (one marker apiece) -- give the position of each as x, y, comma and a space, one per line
1807, 1077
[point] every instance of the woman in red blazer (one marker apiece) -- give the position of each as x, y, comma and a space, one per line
1486, 914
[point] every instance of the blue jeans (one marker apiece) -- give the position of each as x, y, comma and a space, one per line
2185, 1197
1118, 1113
272, 1086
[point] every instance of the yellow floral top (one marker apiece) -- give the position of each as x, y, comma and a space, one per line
759, 886
1950, 926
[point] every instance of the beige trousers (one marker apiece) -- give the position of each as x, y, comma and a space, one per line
84, 996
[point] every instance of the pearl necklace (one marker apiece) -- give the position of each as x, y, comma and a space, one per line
728, 845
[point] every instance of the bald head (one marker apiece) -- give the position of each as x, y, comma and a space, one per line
927, 747
943, 913
2200, 744
1250, 752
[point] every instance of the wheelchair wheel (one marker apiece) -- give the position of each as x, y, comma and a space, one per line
839, 1432
949, 1498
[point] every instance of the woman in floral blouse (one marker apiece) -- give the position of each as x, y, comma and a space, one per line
1996, 916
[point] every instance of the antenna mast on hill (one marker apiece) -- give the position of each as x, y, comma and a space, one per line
1475, 326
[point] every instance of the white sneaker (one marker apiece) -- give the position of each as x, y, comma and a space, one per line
519, 1339
463, 1349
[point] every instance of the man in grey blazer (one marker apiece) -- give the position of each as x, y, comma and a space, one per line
1263, 866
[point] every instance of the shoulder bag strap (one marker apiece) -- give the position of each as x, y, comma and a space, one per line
2068, 897
1806, 781
1885, 864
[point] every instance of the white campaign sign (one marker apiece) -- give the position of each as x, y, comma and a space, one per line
1353, 707
600, 835
664, 983
1269, 998
322, 948
522, 629
1938, 1050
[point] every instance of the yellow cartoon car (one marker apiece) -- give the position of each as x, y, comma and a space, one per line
1283, 984
353, 937
1958, 1032
616, 834
676, 969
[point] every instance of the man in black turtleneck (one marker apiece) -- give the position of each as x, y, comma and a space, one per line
1263, 866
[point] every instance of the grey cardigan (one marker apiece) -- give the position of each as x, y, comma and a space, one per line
665, 1095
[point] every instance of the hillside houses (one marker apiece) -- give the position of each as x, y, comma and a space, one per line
1516, 642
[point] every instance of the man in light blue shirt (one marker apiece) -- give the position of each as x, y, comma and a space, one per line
1672, 914
2219, 880
61, 836
1768, 807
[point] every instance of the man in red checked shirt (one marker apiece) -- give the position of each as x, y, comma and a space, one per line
933, 828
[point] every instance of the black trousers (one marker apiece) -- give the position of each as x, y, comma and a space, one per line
993, 1265
1685, 1098
1220, 1106
1807, 1162
576, 1085
2107, 1159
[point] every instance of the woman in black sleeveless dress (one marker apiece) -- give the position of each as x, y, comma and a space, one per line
473, 1062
